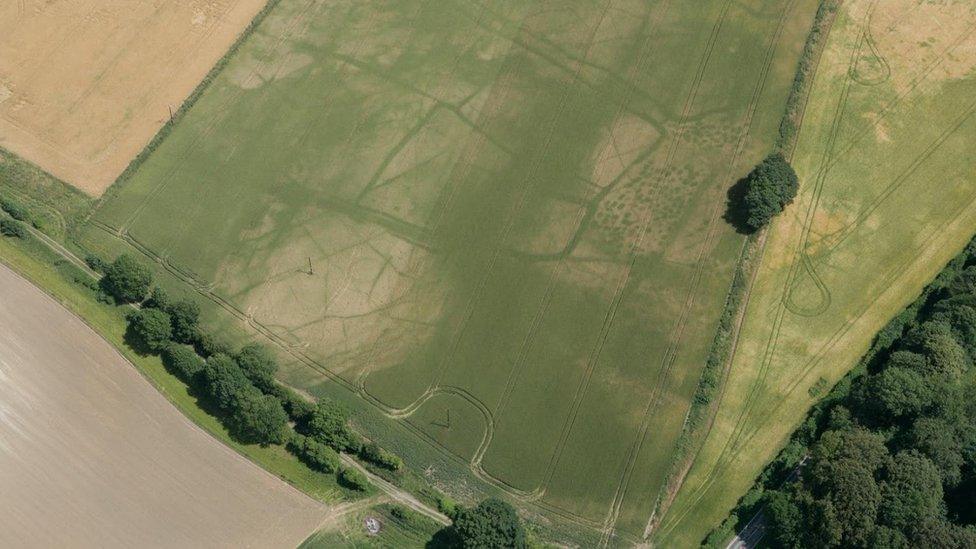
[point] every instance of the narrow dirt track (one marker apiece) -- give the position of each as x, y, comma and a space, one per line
92, 455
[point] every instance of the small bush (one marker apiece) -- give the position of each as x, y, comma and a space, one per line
151, 328
183, 362
127, 279
374, 454
12, 227
353, 479
96, 263
316, 455
447, 506
14, 209
208, 345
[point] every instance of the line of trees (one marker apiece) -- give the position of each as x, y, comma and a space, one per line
892, 454
240, 388
238, 385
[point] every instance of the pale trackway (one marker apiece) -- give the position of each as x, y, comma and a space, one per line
92, 455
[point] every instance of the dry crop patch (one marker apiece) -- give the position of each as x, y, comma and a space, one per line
84, 84
887, 197
498, 224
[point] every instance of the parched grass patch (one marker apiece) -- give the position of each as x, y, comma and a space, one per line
511, 214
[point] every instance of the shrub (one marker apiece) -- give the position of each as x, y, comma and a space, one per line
208, 345
11, 227
183, 362
259, 418
151, 328
374, 454
96, 263
258, 364
316, 455
354, 479
447, 506
770, 187
185, 316
224, 381
14, 209
127, 279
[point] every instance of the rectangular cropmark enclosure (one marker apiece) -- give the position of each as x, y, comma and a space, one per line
500, 223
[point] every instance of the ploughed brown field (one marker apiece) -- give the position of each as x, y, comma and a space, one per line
91, 455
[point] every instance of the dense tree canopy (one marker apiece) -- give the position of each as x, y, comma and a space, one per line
892, 462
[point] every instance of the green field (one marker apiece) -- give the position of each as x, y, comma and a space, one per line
887, 197
499, 224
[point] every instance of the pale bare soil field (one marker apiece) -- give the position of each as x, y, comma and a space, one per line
91, 455
85, 84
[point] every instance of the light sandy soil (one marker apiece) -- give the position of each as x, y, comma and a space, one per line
92, 456
85, 84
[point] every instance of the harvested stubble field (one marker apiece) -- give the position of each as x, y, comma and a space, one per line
92, 455
888, 196
498, 223
85, 84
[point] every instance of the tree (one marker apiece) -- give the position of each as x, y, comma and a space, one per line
316, 455
936, 440
936, 341
127, 279
912, 493
158, 299
183, 362
185, 315
299, 409
258, 364
353, 478
899, 392
151, 328
208, 345
769, 188
224, 381
783, 518
259, 418
328, 425
492, 523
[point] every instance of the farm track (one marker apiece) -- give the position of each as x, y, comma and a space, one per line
739, 438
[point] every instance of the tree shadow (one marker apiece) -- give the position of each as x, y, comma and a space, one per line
736, 212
